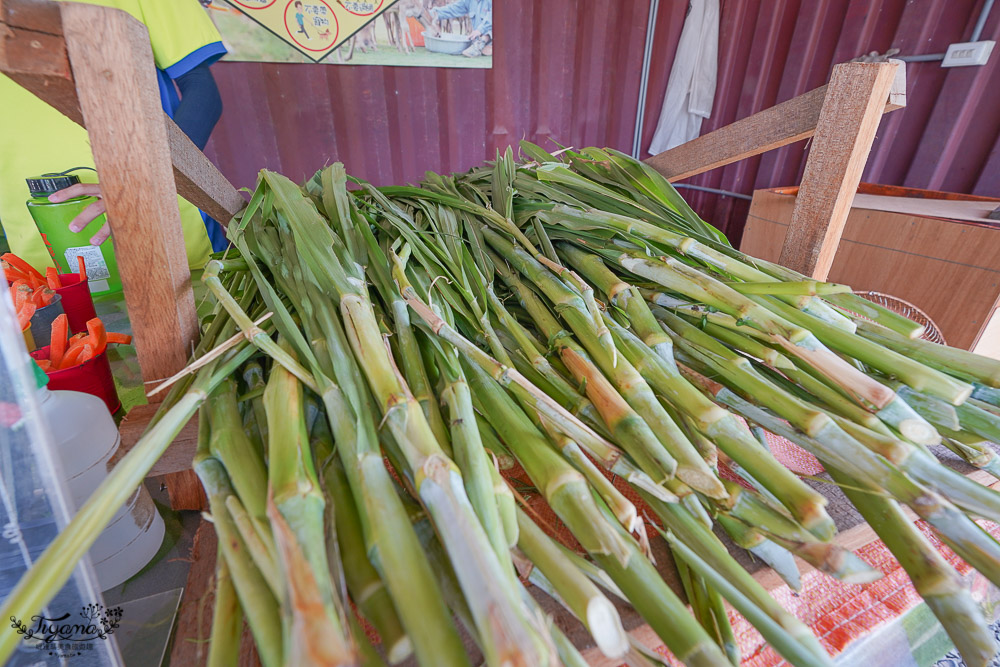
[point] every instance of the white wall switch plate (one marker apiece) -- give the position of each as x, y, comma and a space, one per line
968, 53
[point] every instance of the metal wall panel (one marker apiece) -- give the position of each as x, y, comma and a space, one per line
570, 70
562, 69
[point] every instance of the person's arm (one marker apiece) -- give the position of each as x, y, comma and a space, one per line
200, 106
455, 10
484, 23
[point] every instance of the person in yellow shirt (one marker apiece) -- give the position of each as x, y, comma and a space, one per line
37, 139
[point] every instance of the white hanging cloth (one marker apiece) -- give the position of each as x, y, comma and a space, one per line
691, 87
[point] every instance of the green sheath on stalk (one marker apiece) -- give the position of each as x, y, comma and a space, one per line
363, 582
579, 595
227, 619
314, 629
935, 580
569, 304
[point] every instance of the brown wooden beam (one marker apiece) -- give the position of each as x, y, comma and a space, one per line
119, 96
179, 454
766, 130
198, 180
852, 108
38, 15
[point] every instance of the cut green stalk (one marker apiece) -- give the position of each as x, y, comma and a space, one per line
975, 419
363, 582
889, 319
956, 529
618, 416
690, 467
254, 334
313, 626
697, 597
579, 595
602, 450
563, 391
615, 551
780, 640
415, 373
974, 450
684, 280
936, 581
261, 552
725, 629
472, 459
230, 444
826, 557
802, 501
801, 288
711, 551
227, 619
256, 600
905, 367
777, 558
624, 296
621, 507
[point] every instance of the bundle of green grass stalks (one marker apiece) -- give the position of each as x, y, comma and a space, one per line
375, 351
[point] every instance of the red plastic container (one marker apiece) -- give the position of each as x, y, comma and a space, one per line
76, 302
90, 377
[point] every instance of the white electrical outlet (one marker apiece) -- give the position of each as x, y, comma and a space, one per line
968, 53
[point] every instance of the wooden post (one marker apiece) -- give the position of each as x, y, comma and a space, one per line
852, 108
116, 85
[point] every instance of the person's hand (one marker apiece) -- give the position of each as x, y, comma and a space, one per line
87, 215
429, 17
473, 35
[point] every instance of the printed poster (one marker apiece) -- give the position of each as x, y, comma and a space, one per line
417, 33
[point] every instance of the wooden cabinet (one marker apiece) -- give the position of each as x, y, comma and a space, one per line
938, 251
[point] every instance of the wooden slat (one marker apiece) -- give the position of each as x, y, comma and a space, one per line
766, 130
852, 108
198, 180
38, 62
118, 92
194, 616
179, 454
39, 15
183, 486
772, 128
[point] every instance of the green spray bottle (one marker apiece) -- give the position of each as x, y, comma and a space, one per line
65, 246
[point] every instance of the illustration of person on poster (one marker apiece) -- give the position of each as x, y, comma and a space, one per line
300, 18
480, 14
418, 33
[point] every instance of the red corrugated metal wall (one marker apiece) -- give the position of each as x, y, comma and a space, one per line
570, 71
